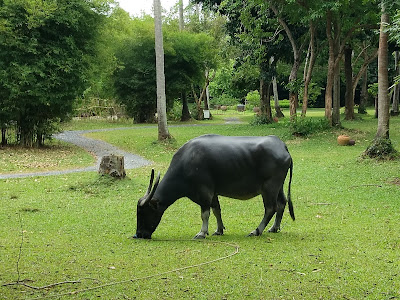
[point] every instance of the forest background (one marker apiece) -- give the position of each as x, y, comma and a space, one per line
65, 59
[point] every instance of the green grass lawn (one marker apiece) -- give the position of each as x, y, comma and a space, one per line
344, 244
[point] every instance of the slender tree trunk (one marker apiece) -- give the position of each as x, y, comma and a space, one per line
265, 104
181, 21
383, 81
336, 97
207, 94
308, 70
293, 93
356, 79
3, 136
331, 69
163, 132
396, 92
348, 70
278, 111
364, 93
185, 107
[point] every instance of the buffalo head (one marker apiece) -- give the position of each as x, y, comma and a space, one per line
148, 211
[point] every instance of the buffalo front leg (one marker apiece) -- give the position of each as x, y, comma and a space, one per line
217, 213
205, 215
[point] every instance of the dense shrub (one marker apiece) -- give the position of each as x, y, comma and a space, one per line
307, 126
260, 120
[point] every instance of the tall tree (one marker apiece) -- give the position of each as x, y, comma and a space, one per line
383, 80
163, 132
297, 50
381, 145
185, 106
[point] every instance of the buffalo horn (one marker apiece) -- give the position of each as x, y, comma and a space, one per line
150, 190
151, 182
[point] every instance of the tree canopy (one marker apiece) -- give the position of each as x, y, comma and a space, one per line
44, 58
186, 57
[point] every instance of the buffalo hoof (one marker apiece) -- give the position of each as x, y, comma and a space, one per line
218, 233
200, 236
274, 229
254, 233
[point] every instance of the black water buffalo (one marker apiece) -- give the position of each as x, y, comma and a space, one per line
211, 165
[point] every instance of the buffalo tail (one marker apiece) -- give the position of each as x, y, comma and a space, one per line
289, 198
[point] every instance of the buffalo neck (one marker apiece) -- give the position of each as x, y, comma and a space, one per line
169, 190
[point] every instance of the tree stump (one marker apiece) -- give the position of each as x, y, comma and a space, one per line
112, 165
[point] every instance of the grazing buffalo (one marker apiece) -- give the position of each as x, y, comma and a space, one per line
211, 165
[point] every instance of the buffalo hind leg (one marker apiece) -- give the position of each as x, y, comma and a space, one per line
280, 208
216, 208
269, 196
205, 215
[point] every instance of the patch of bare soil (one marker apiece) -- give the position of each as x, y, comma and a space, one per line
395, 181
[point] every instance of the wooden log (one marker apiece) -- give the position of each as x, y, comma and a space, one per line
112, 165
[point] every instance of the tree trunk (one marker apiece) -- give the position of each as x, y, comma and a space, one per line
348, 70
163, 132
331, 69
336, 97
3, 136
364, 93
383, 81
308, 70
265, 104
185, 108
396, 92
278, 111
207, 95
293, 93
181, 21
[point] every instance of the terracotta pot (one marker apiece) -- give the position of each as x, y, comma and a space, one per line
343, 140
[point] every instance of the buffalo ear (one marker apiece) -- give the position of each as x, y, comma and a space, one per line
151, 190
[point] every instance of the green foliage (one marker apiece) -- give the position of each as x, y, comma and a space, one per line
187, 55
306, 126
284, 103
373, 89
174, 113
225, 99
314, 91
253, 98
260, 120
44, 59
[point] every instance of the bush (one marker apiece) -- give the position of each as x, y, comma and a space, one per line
253, 98
224, 99
307, 126
282, 103
260, 120
175, 112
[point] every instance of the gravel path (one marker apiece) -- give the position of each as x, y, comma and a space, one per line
97, 148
